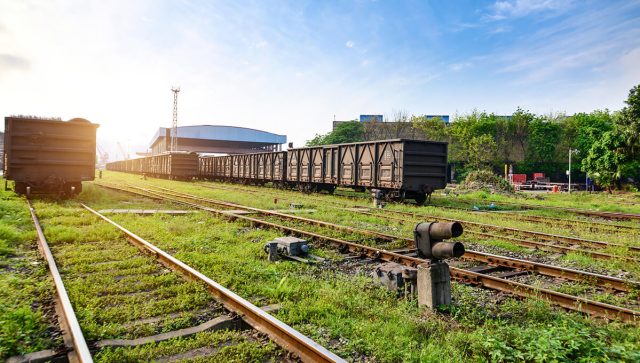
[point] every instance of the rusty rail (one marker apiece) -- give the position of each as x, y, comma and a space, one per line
517, 241
281, 333
587, 212
80, 351
545, 269
601, 226
570, 302
534, 218
545, 236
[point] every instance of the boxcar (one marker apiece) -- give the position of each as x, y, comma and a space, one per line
258, 168
397, 168
49, 156
171, 165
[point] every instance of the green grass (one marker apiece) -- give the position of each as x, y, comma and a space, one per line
348, 313
25, 290
228, 347
356, 318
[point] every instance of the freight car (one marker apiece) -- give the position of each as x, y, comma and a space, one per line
258, 168
49, 156
396, 169
170, 165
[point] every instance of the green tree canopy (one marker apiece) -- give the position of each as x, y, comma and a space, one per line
350, 131
605, 159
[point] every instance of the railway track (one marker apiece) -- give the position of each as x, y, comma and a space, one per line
520, 232
481, 231
585, 212
518, 289
114, 273
540, 235
576, 275
593, 226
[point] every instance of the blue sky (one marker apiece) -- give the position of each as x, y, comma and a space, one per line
290, 66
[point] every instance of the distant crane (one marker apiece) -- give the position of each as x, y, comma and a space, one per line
125, 153
103, 156
174, 127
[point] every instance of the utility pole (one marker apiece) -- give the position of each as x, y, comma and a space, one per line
571, 151
174, 126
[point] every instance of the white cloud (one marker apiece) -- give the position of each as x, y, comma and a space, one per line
456, 67
350, 44
504, 9
261, 44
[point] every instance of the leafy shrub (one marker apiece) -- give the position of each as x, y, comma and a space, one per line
485, 180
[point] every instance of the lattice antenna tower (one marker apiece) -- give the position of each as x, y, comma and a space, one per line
174, 126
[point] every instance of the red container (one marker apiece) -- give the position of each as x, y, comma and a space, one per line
518, 178
538, 175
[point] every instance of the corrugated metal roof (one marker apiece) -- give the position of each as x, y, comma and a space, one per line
224, 133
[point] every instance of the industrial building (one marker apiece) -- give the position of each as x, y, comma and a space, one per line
217, 139
375, 128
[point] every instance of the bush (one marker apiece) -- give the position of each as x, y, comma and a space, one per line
485, 180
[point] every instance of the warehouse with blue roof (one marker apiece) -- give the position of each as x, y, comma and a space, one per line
218, 139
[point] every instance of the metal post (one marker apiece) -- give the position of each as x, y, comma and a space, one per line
570, 170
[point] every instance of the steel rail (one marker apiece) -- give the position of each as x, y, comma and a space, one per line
546, 236
281, 333
532, 218
602, 226
569, 302
587, 212
549, 270
80, 348
518, 241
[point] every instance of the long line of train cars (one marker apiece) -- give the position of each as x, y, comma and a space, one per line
47, 155
395, 169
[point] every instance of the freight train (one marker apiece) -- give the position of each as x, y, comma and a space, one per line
49, 156
395, 169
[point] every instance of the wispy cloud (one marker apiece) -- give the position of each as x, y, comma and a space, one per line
350, 44
505, 9
581, 42
456, 67
10, 62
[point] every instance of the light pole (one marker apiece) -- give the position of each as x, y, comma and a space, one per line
571, 151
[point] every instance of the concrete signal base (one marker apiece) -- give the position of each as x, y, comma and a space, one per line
434, 284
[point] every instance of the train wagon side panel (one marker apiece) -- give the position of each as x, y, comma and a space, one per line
48, 154
424, 165
347, 165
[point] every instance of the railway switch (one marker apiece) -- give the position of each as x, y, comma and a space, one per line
289, 247
434, 278
397, 278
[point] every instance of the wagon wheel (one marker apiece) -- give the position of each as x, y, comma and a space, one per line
20, 188
420, 198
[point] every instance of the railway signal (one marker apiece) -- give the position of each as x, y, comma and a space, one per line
434, 278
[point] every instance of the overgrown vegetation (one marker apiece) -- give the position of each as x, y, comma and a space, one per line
358, 319
343, 310
25, 291
485, 180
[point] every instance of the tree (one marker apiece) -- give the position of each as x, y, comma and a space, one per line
350, 131
629, 123
544, 136
520, 121
434, 128
582, 130
481, 152
606, 159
